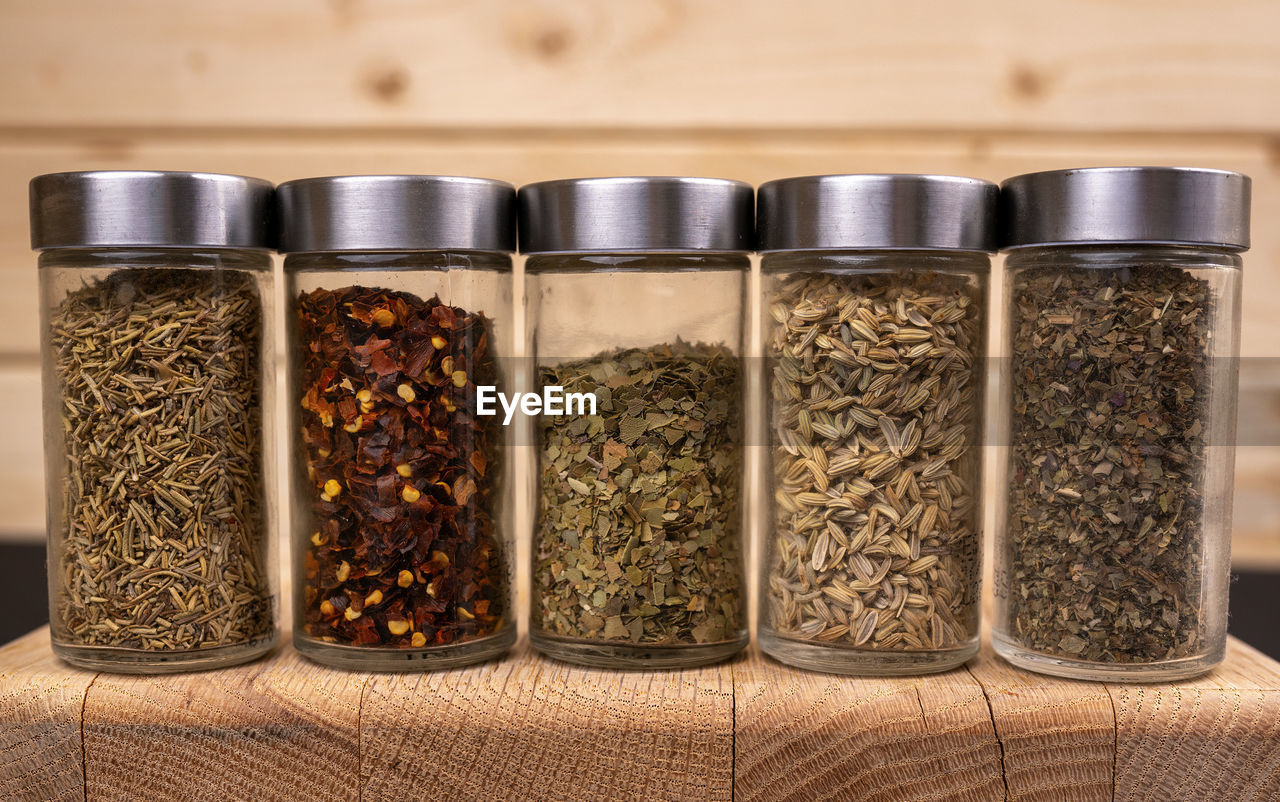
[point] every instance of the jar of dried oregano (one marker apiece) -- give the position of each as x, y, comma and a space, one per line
400, 319
636, 289
156, 333
1122, 315
875, 293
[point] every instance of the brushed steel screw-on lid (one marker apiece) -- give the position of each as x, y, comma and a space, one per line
396, 213
638, 213
129, 208
877, 212
1137, 205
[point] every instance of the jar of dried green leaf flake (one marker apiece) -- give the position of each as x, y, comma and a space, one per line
156, 335
875, 293
636, 295
1122, 316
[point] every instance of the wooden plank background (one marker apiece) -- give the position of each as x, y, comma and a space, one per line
749, 89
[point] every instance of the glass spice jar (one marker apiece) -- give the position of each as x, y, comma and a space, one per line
636, 296
156, 307
1122, 303
874, 331
399, 294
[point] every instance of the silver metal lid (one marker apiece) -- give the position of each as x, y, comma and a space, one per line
877, 212
396, 213
1140, 205
655, 213
127, 208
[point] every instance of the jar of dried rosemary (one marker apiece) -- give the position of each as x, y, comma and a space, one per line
874, 331
400, 317
636, 289
156, 334
1119, 396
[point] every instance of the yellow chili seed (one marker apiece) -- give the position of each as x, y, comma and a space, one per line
397, 626
465, 613
404, 470
353, 426
439, 342
326, 608
404, 579
410, 494
351, 614
440, 557
418, 639
364, 396
318, 539
344, 571
446, 365
459, 378
373, 598
384, 317
333, 488
406, 392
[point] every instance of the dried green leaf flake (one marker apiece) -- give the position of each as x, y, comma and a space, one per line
662, 518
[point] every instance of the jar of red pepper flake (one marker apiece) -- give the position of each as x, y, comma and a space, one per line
400, 305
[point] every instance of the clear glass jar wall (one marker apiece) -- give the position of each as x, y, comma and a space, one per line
874, 403
401, 504
637, 553
1113, 544
158, 405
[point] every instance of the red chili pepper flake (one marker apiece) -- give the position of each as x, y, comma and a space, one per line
402, 477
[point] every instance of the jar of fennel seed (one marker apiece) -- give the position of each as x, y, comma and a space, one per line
636, 292
874, 330
400, 310
156, 307
1122, 316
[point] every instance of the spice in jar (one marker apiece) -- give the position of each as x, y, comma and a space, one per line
402, 475
1108, 447
875, 394
162, 506
637, 535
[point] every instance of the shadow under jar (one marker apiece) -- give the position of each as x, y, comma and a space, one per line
1122, 308
400, 307
637, 290
158, 408
875, 294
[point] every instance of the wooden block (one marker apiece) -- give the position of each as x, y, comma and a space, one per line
525, 728
277, 728
1214, 737
1057, 737
41, 699
528, 728
803, 735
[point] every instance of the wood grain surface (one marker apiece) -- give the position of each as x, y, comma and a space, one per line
1074, 65
525, 728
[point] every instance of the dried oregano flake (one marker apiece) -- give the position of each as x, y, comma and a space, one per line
638, 533
1105, 531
